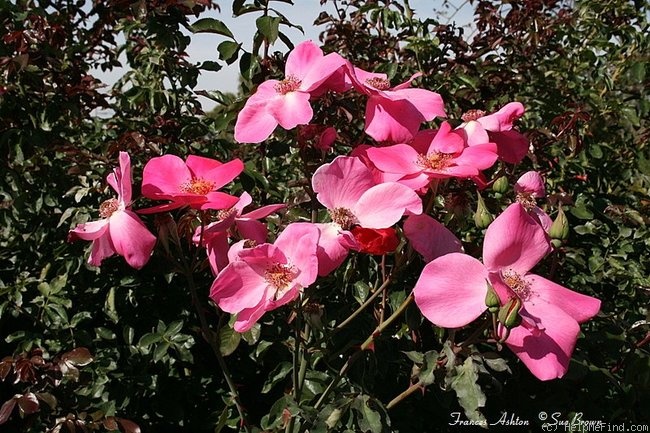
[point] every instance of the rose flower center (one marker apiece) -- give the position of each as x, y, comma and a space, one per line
343, 217
516, 282
472, 115
289, 84
434, 160
280, 277
378, 83
107, 208
198, 186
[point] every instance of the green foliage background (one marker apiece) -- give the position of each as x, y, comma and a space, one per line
581, 70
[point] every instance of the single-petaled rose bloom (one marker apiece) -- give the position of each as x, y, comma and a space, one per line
451, 293
529, 187
286, 103
375, 241
267, 276
434, 155
497, 127
394, 114
194, 183
216, 234
120, 230
347, 188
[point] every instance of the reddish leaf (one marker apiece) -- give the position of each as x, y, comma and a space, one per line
128, 426
79, 357
7, 408
28, 404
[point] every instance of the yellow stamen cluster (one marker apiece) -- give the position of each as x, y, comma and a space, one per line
280, 276
343, 217
527, 200
434, 160
472, 115
107, 208
198, 186
225, 213
516, 282
289, 84
378, 83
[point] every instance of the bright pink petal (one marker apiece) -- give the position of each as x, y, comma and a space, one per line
241, 284
222, 173
302, 59
342, 182
474, 133
102, 248
89, 231
216, 200
383, 205
247, 318
321, 71
580, 307
542, 217
430, 238
254, 122
331, 251
244, 200
291, 109
406, 84
429, 104
460, 171
399, 158
481, 156
120, 179
131, 238
298, 242
531, 182
503, 119
201, 166
445, 140
217, 250
451, 290
546, 354
514, 241
161, 208
252, 229
360, 79
391, 121
163, 177
264, 211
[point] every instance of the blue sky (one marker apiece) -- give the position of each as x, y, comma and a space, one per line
303, 12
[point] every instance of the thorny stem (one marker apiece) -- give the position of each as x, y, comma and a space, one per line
352, 358
211, 337
363, 306
410, 390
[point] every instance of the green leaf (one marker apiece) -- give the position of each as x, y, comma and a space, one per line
211, 25
252, 335
228, 340
369, 419
268, 27
428, 369
279, 372
160, 351
174, 328
228, 51
148, 339
361, 290
469, 393
209, 65
109, 306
